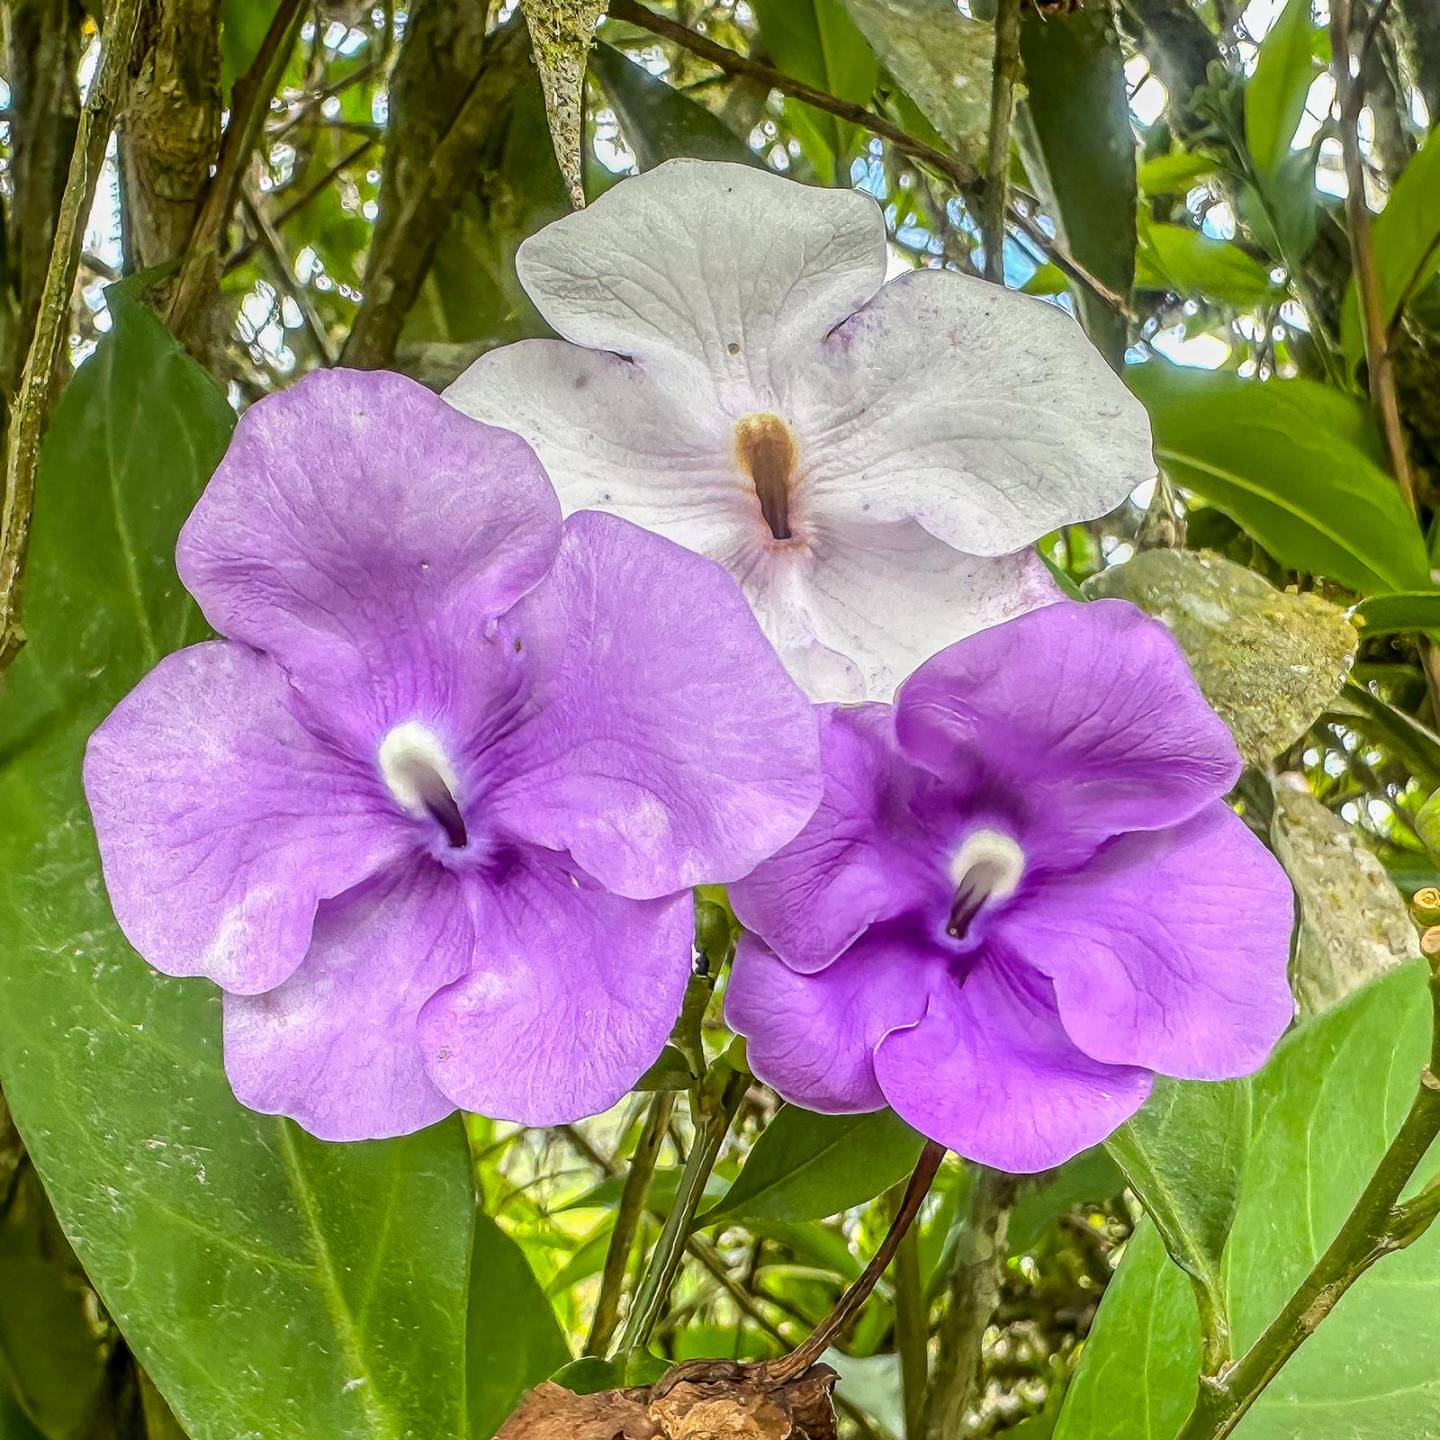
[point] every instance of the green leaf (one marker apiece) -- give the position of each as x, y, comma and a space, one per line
1427, 823
1324, 1110
658, 122
1175, 257
1268, 661
1414, 744
270, 1284
1296, 464
816, 41
515, 1341
940, 58
806, 1166
52, 1351
1275, 93
1406, 240
1092, 1176
1183, 1156
1403, 611
589, 1375
1075, 73
1175, 173
13, 1424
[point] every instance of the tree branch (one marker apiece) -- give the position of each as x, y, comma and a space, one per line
52, 324
1003, 73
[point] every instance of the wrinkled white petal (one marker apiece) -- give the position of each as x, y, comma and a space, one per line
982, 413
919, 429
870, 601
726, 268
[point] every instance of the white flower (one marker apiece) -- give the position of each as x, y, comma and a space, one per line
868, 459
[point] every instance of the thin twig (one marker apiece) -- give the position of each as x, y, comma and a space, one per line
1378, 1226
994, 200
801, 1359
627, 1222
274, 247
52, 323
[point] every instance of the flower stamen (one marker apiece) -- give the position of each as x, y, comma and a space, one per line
419, 775
766, 450
988, 866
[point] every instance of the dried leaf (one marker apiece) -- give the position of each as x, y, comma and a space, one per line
1269, 661
562, 32
1353, 922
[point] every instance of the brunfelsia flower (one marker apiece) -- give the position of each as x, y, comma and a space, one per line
868, 460
1021, 897
429, 813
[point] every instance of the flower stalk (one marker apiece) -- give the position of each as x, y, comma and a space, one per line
717, 1104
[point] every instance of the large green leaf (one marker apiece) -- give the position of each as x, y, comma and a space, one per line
1183, 1155
515, 1341
816, 41
942, 60
1296, 464
1406, 610
806, 1166
270, 1284
1325, 1108
1075, 78
13, 1424
658, 122
1275, 94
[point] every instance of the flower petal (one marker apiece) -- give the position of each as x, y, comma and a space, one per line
1169, 949
990, 1073
572, 995
1089, 711
613, 436
857, 860
723, 270
884, 596
984, 414
812, 1038
223, 822
336, 1047
662, 743
357, 507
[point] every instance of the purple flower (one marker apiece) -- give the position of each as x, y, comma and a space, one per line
429, 813
1020, 898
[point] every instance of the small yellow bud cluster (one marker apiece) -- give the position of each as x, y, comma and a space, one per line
1425, 908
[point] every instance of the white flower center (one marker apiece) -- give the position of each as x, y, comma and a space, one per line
419, 775
766, 450
988, 866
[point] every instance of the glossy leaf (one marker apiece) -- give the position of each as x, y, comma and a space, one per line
658, 122
1325, 1108
1275, 93
515, 1341
1403, 611
270, 1284
1175, 257
1183, 1156
806, 1166
1297, 465
1076, 86
817, 41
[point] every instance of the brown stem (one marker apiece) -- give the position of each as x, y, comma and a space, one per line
994, 201
52, 322
974, 1294
803, 1357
